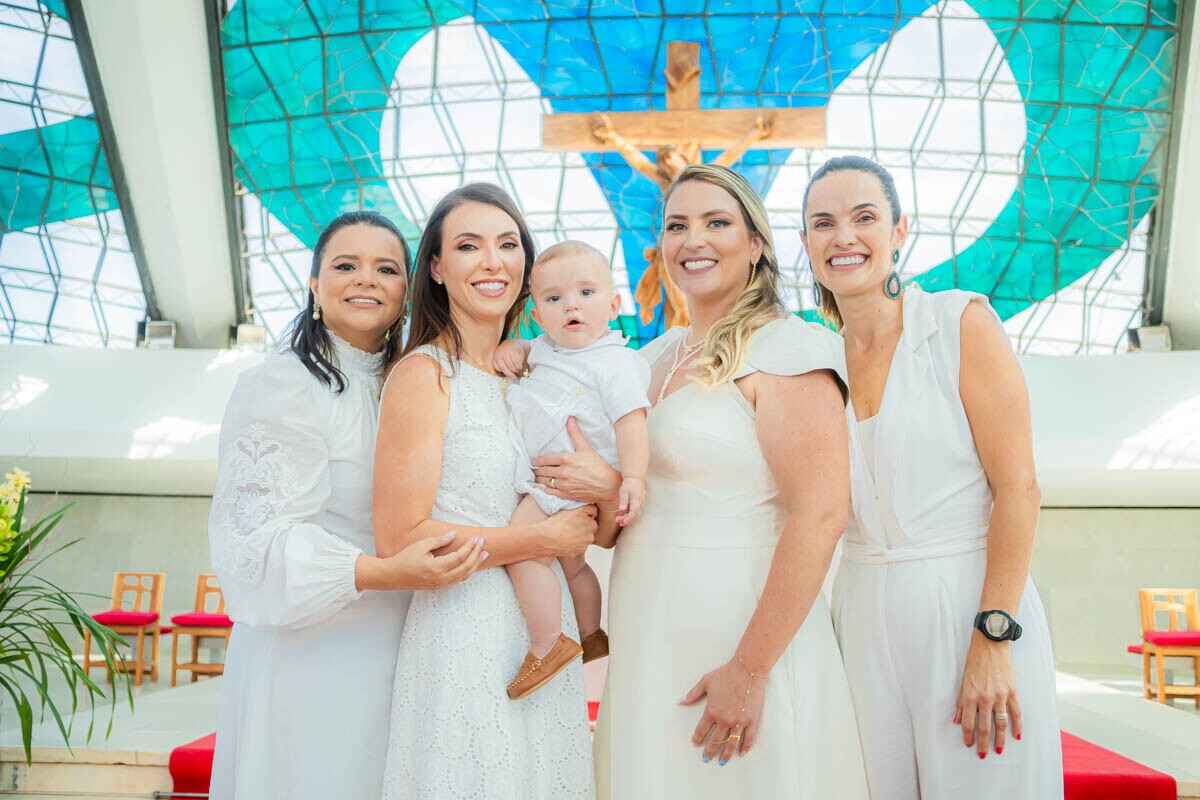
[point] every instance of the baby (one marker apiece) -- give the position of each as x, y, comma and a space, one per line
577, 368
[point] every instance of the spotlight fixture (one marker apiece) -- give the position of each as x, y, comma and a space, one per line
248, 337
1150, 338
156, 334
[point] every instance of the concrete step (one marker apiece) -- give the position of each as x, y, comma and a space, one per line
109, 774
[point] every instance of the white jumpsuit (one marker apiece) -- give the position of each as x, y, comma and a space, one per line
911, 577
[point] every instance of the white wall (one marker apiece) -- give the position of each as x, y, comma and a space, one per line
1117, 442
1088, 563
1120, 430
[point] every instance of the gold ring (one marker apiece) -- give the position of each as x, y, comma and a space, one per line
735, 737
551, 483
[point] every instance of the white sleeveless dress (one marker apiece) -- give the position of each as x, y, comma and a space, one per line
686, 578
454, 732
913, 562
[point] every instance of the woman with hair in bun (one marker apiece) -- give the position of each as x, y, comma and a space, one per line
942, 632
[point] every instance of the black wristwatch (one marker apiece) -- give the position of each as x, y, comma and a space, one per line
997, 626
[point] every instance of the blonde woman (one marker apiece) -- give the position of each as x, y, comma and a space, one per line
724, 677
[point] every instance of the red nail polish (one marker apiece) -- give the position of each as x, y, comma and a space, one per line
1018, 737
999, 750
983, 755
957, 719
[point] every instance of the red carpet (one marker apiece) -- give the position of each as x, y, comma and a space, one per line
1089, 772
191, 765
1093, 773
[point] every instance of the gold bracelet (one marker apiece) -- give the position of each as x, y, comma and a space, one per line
748, 670
609, 510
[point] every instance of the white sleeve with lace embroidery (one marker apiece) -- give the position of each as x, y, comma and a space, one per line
278, 566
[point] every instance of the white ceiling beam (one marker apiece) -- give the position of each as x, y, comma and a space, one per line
1179, 254
153, 59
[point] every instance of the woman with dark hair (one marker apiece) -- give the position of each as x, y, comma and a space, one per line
316, 629
933, 591
446, 461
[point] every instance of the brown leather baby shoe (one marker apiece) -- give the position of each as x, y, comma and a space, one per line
536, 672
595, 645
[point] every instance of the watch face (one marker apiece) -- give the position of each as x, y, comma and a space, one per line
996, 625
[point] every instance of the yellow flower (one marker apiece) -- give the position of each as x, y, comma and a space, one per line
18, 478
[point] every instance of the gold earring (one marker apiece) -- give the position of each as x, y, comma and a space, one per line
753, 273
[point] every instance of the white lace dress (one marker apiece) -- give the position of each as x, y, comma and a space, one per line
303, 707
455, 733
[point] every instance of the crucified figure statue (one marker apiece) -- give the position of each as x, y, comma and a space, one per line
669, 161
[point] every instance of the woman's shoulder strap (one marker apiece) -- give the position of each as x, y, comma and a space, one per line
433, 352
792, 346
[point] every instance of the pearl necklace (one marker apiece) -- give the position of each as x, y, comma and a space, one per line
683, 352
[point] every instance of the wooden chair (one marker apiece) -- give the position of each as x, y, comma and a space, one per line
1180, 639
198, 624
141, 618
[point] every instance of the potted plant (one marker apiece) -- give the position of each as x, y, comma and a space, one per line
34, 615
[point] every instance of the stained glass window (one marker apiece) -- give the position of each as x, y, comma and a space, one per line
67, 275
1028, 140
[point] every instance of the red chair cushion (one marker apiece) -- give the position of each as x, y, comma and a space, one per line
118, 617
1166, 638
195, 620
1134, 648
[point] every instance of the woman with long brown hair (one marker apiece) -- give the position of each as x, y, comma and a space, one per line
446, 461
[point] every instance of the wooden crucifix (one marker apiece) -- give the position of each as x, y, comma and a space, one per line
677, 136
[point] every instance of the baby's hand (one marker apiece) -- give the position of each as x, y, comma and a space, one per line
631, 500
510, 356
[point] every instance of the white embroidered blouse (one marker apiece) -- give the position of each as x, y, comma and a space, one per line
291, 510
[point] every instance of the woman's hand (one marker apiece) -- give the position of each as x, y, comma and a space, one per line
987, 695
582, 476
416, 566
570, 532
730, 720
511, 358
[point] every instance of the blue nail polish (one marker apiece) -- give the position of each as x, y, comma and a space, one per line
724, 761
707, 759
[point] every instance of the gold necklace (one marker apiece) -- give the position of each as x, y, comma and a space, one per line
683, 352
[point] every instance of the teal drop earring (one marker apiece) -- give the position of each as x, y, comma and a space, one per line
891, 286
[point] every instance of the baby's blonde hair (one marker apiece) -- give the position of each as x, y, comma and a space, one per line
570, 248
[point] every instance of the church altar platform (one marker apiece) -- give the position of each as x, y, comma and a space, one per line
136, 761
